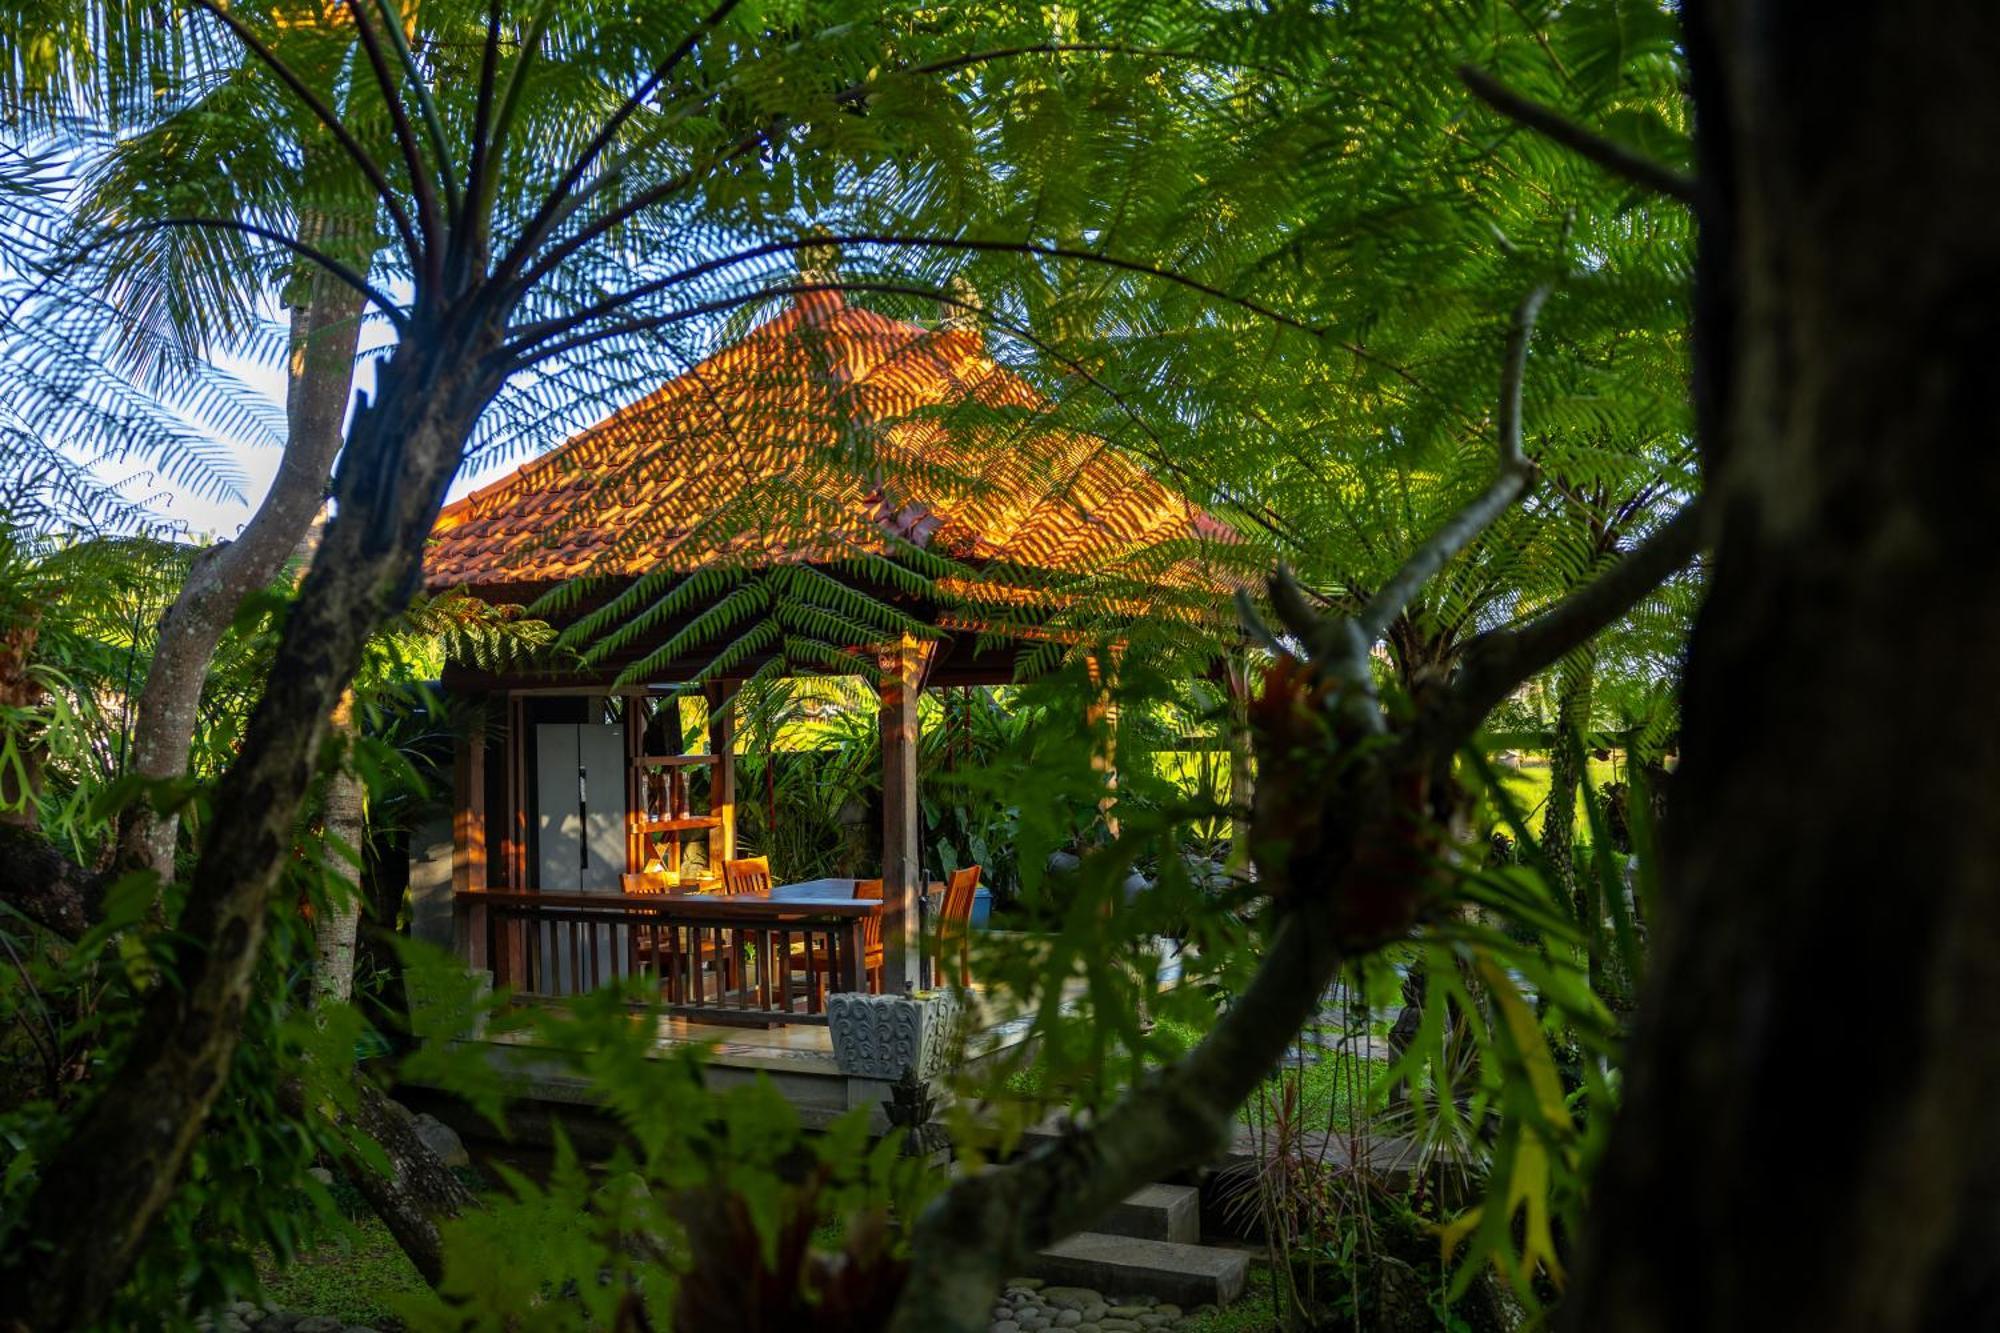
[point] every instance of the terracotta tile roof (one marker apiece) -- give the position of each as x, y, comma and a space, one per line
826, 432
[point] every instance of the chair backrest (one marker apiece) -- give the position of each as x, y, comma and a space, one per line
648, 881
752, 874
956, 910
954, 924
871, 925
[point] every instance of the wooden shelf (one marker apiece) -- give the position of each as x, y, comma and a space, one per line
675, 760
684, 825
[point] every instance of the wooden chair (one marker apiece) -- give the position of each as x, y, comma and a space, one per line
646, 940
954, 923
871, 942
871, 934
750, 875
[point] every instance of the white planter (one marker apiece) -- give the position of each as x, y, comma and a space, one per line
883, 1036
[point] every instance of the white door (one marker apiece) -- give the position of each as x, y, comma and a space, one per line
580, 833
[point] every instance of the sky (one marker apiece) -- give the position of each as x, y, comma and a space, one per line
223, 517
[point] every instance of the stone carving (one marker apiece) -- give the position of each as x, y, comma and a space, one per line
886, 1036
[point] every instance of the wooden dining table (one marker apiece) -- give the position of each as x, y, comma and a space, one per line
716, 953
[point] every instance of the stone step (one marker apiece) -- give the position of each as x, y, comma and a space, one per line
1187, 1275
1157, 1212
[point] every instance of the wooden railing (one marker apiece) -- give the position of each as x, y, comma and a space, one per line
716, 957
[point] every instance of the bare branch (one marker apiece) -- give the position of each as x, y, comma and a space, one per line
326, 116
1495, 664
1254, 626
1552, 125
1289, 601
1464, 527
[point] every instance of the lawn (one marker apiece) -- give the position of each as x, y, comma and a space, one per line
354, 1278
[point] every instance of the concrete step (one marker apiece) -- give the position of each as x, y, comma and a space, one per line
1157, 1212
1187, 1275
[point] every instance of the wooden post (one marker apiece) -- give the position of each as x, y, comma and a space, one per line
902, 872
468, 817
468, 843
722, 794
633, 716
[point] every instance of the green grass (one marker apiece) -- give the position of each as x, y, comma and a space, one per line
354, 1278
1253, 1311
1529, 785
1331, 1090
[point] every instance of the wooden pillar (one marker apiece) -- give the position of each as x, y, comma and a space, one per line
468, 842
902, 872
468, 817
510, 949
721, 696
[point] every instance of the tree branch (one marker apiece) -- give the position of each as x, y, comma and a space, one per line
472, 222
547, 216
613, 303
311, 253
428, 219
325, 115
426, 105
851, 95
1495, 664
638, 203
1552, 125
971, 1237
1463, 528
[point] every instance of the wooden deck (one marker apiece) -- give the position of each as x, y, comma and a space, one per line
797, 1058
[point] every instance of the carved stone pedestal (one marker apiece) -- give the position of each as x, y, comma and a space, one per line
887, 1036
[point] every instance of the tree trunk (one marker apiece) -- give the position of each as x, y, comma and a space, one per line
97, 1196
346, 827
1833, 873
326, 323
1568, 763
417, 1193
1242, 762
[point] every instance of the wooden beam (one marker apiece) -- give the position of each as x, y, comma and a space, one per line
902, 872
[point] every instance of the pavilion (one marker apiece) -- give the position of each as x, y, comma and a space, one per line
831, 438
